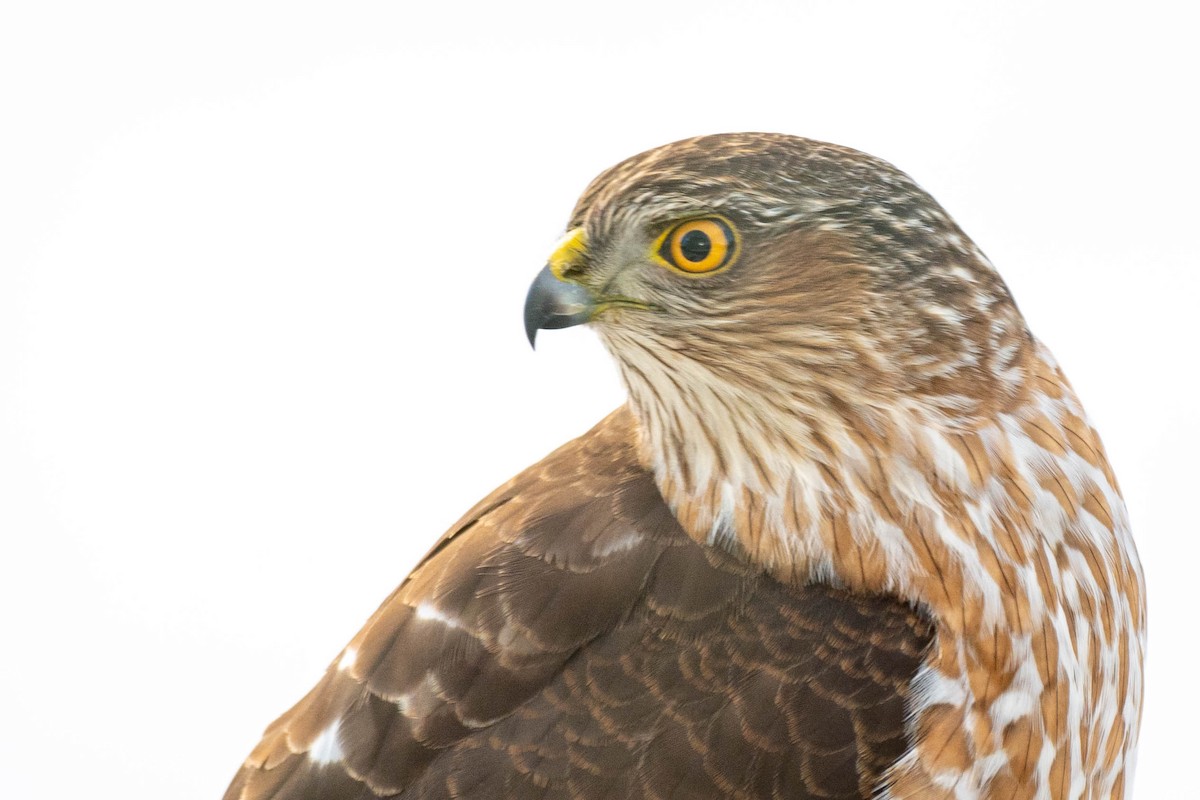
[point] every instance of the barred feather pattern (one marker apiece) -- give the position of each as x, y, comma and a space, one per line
863, 405
1013, 535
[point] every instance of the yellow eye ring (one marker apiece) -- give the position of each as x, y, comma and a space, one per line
698, 246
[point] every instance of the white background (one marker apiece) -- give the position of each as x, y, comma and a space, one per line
261, 276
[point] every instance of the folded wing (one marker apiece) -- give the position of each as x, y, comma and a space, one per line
567, 639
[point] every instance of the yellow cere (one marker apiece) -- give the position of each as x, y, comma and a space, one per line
698, 246
569, 251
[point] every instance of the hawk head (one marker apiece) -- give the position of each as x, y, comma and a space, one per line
786, 273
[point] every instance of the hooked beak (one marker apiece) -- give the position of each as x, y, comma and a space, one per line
553, 303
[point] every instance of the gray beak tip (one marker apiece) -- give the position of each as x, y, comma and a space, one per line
552, 303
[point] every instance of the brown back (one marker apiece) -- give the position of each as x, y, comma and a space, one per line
567, 639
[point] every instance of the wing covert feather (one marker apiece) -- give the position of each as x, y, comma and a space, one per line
566, 639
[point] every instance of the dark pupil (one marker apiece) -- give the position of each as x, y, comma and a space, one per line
695, 246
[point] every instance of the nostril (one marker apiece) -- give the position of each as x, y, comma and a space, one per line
572, 270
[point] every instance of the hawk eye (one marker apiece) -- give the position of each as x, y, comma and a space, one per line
698, 246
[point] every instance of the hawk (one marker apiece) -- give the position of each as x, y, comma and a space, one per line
851, 536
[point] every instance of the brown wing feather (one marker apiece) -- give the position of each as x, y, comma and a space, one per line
567, 639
